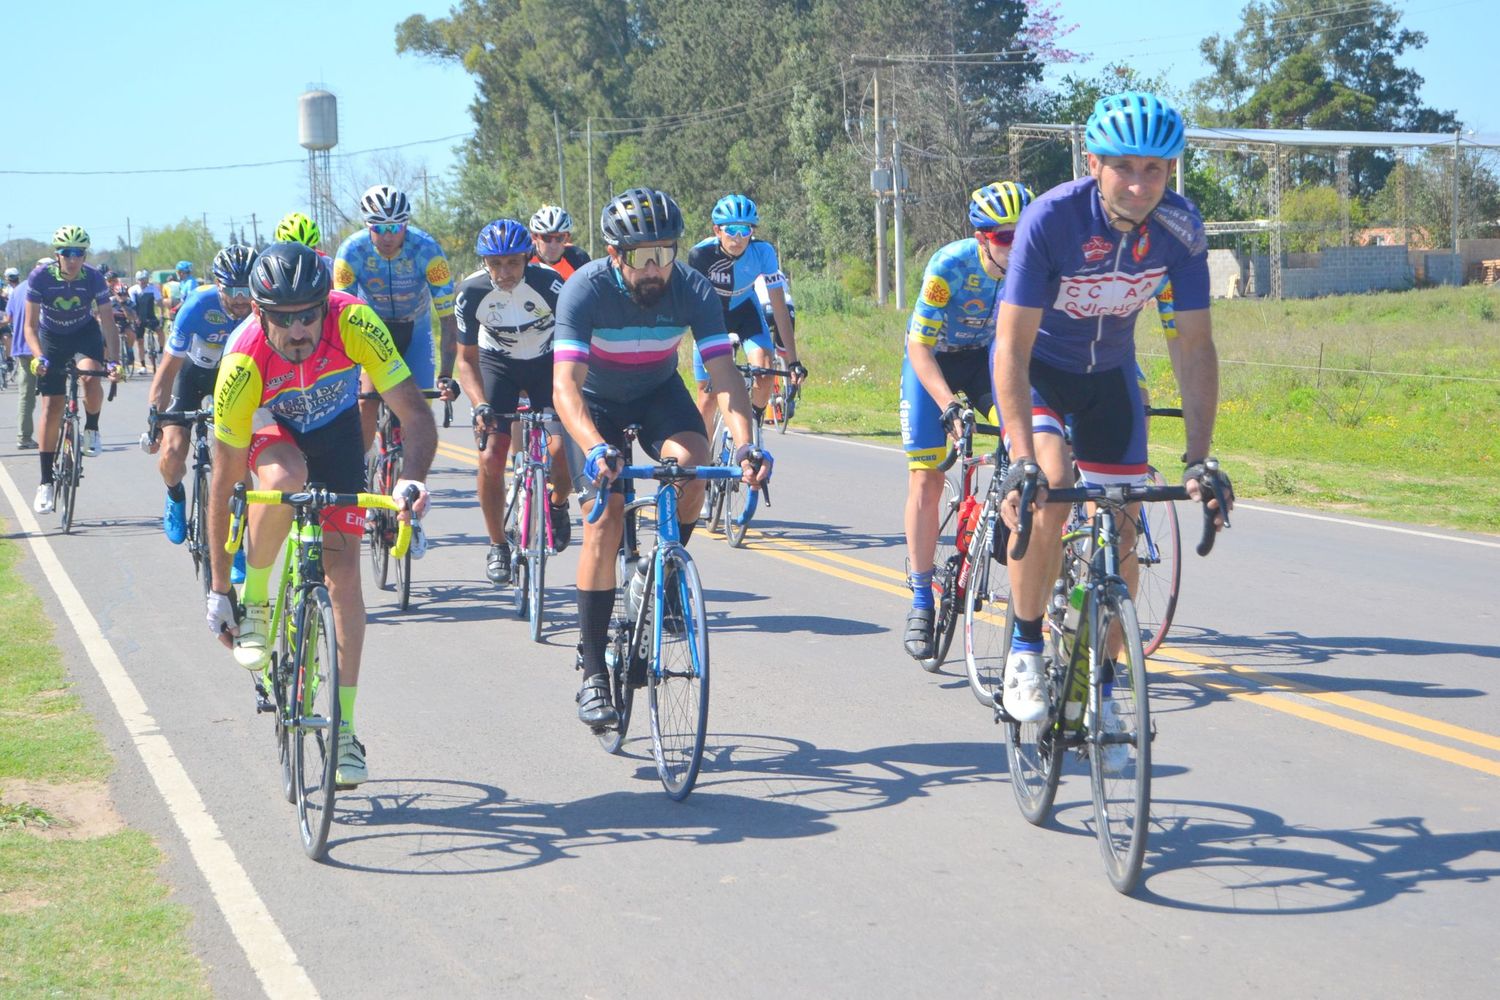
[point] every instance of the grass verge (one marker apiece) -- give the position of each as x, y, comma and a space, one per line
78, 917
1377, 405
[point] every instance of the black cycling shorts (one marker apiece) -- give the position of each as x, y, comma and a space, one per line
60, 348
505, 378
193, 382
662, 412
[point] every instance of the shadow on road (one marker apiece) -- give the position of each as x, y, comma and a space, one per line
437, 827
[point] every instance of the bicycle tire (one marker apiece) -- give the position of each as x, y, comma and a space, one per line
65, 473
377, 525
942, 553
315, 699
1034, 750
1158, 555
1122, 793
520, 559
986, 641
198, 529
281, 679
739, 507
629, 644
677, 680
536, 580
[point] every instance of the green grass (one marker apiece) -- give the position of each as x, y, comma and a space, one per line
1290, 429
77, 917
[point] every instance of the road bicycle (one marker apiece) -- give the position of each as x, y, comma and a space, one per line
783, 404
951, 565
382, 473
300, 683
67, 467
1158, 554
528, 524
197, 515
7, 368
662, 643
729, 504
1095, 674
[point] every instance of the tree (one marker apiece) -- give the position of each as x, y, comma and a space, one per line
188, 240
1312, 64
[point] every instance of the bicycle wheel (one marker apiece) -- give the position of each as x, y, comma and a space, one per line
315, 702
739, 508
1158, 553
519, 533
403, 572
1034, 750
378, 525
677, 681
986, 635
282, 677
65, 472
536, 577
942, 578
198, 528
627, 655
1120, 749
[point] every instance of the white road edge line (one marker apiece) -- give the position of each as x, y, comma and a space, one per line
269, 953
1244, 506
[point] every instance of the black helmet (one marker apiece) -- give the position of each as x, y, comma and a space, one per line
232, 265
288, 274
640, 215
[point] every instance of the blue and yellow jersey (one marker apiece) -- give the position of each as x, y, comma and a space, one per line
399, 288
309, 395
1166, 309
955, 309
201, 329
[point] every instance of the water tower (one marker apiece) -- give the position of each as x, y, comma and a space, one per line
318, 132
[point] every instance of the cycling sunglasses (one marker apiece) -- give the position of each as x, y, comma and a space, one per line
738, 230
550, 237
1001, 237
387, 228
285, 320
236, 291
641, 256
71, 252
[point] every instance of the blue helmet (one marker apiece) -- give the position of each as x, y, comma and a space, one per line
1134, 124
185, 265
735, 209
502, 238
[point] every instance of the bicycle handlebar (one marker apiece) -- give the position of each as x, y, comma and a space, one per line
1163, 411
315, 500
426, 393
665, 472
1119, 496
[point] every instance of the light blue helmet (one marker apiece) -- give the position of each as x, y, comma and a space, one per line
1134, 124
502, 238
735, 209
185, 265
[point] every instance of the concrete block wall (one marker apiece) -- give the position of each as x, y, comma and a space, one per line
1339, 271
1443, 268
1226, 274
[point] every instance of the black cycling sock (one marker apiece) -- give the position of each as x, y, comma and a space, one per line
46, 457
594, 610
1029, 629
760, 413
686, 530
90, 421
177, 493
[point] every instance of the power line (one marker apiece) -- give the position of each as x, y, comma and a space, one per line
224, 166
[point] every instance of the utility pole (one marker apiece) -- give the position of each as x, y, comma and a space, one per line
880, 286
900, 229
129, 244
589, 141
1456, 152
562, 177
426, 202
255, 228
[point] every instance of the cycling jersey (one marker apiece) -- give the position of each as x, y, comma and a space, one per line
399, 288
733, 278
1090, 280
955, 310
1166, 308
763, 286
306, 396
185, 290
145, 302
66, 306
573, 257
518, 323
631, 349
201, 329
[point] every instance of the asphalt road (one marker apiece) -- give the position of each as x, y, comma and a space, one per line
1325, 807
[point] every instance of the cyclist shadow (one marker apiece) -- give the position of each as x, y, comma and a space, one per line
1273, 652
444, 601
819, 535
441, 827
722, 622
1223, 858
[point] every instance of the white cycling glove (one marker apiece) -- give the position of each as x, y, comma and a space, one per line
220, 609
419, 505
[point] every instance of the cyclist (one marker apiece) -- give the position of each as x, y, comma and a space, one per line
732, 259
119, 307
15, 313
552, 235
506, 311
187, 284
146, 303
12, 279
198, 337
947, 350
297, 357
400, 270
67, 314
1089, 255
299, 228
619, 321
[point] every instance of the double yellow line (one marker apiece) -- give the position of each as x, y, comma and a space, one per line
1396, 728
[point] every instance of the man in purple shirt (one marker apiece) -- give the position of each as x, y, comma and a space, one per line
16, 310
1088, 256
67, 315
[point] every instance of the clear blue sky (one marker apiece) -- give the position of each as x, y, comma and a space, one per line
227, 93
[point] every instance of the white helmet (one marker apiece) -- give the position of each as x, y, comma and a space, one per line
46, 262
384, 204
551, 219
139, 275
12, 272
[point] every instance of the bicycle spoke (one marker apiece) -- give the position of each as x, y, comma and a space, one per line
1120, 751
315, 738
678, 679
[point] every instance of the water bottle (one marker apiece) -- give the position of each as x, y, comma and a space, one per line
1074, 609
